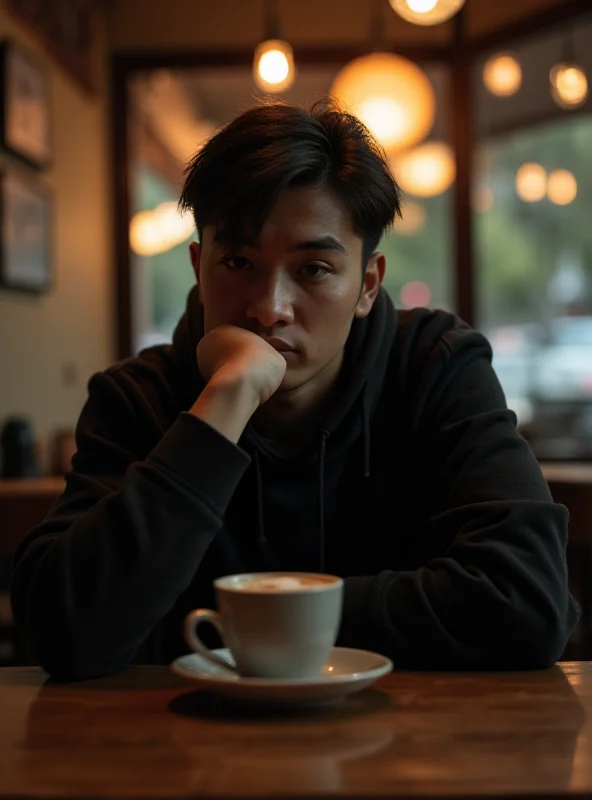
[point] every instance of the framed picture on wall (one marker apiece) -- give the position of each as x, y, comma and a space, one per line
25, 233
66, 28
25, 107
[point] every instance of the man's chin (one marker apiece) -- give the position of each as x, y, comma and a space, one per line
293, 379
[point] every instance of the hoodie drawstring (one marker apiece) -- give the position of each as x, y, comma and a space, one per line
366, 432
263, 544
322, 458
262, 539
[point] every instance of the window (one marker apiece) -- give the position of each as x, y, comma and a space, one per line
170, 113
418, 254
533, 195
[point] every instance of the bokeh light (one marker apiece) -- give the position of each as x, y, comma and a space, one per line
273, 66
426, 12
502, 74
531, 182
426, 171
562, 187
569, 85
416, 294
391, 95
159, 229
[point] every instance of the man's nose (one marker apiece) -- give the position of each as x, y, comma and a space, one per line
272, 301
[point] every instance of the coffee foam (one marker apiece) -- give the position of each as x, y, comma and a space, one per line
283, 583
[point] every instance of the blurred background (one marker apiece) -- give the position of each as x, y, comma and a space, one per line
483, 107
484, 110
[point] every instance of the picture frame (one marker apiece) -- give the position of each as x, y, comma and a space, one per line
25, 108
66, 29
26, 225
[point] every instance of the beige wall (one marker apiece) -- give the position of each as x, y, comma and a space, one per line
50, 345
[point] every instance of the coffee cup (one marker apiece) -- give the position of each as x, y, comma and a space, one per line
276, 624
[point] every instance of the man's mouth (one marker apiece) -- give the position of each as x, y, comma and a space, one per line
280, 345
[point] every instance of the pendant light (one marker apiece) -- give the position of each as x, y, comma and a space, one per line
159, 229
531, 182
426, 12
502, 74
427, 170
562, 187
390, 94
569, 84
273, 63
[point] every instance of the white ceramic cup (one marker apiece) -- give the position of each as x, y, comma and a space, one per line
285, 633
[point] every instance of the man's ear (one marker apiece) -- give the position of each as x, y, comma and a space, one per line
373, 278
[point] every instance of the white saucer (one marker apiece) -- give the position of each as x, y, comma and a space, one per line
346, 671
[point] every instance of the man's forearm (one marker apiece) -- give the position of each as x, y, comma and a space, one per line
227, 406
93, 579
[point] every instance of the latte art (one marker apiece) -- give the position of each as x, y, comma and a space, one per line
285, 583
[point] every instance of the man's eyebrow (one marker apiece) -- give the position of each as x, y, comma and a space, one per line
322, 243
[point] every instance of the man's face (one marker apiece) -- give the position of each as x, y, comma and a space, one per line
300, 283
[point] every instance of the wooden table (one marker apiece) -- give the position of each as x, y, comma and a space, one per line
148, 734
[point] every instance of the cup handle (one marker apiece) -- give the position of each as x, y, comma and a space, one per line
192, 621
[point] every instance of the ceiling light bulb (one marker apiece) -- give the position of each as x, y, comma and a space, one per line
159, 229
273, 66
502, 74
569, 85
426, 171
422, 6
562, 187
426, 12
531, 182
391, 95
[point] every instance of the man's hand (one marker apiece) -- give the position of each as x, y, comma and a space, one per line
232, 356
242, 372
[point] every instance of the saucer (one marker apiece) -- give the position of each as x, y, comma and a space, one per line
346, 671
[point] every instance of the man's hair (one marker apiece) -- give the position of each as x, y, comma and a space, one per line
236, 177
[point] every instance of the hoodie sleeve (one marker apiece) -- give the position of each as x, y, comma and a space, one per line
498, 598
126, 537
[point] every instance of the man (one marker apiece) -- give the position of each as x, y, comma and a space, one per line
298, 422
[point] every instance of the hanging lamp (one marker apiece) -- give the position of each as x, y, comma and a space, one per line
390, 94
568, 81
427, 170
426, 12
502, 74
274, 70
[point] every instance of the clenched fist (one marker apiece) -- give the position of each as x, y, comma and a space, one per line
230, 356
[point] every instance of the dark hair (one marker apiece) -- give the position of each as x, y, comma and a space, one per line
234, 180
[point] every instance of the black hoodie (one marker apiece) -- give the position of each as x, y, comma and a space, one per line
418, 491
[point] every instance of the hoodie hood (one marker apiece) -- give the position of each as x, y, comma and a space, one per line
365, 363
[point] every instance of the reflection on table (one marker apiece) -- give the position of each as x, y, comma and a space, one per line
146, 733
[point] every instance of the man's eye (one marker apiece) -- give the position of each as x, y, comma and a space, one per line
237, 262
315, 270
